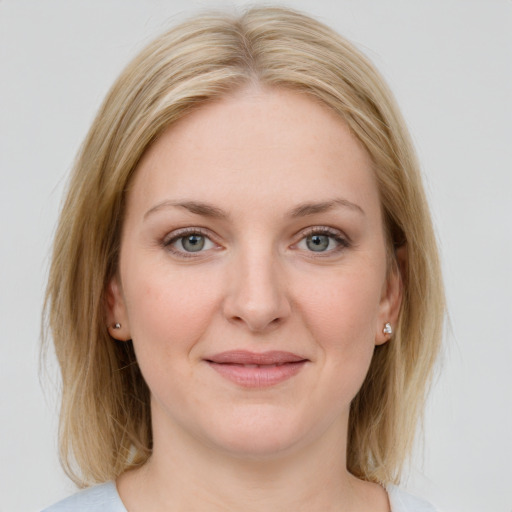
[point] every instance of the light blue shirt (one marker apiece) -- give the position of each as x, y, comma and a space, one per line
105, 498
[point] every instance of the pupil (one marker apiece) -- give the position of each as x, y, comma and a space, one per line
317, 242
193, 243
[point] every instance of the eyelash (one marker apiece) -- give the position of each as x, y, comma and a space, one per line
341, 240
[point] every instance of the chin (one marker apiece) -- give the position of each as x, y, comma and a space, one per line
260, 435
253, 447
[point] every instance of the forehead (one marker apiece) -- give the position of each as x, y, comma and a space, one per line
257, 143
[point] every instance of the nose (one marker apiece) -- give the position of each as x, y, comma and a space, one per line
257, 297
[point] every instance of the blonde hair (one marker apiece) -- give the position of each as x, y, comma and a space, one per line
105, 425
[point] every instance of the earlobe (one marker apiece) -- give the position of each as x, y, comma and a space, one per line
391, 299
116, 311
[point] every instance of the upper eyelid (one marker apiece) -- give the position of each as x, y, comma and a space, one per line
179, 233
324, 230
320, 229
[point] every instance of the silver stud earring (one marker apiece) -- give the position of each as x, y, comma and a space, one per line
387, 328
117, 325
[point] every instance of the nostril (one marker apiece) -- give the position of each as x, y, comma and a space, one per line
257, 324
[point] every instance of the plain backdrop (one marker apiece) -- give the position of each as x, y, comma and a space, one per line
449, 63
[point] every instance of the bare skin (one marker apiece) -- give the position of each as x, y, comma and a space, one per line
254, 225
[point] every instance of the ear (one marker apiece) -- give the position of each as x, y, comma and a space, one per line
391, 298
116, 311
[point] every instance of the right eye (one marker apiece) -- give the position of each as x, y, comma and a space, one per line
188, 243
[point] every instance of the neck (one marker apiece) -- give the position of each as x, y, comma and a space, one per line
184, 474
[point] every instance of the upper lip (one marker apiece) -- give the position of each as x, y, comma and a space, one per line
262, 358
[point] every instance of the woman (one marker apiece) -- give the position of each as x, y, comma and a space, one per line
245, 295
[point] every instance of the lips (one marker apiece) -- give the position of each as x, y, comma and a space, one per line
256, 370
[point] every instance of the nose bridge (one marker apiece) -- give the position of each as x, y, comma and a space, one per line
257, 295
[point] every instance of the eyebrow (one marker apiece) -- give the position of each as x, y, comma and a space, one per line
197, 207
306, 209
208, 210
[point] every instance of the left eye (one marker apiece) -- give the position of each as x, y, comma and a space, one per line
321, 242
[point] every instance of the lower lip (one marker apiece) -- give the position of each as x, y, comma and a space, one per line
257, 377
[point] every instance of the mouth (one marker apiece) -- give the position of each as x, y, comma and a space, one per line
257, 370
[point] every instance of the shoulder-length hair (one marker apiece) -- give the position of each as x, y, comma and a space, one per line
105, 424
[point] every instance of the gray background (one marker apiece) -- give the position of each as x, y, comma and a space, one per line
449, 64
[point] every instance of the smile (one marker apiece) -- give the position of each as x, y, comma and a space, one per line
256, 370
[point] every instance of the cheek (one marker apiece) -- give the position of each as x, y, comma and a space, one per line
343, 305
341, 313
168, 313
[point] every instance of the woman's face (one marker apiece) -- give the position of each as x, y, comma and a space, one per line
253, 278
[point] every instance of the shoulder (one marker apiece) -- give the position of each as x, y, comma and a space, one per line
402, 501
100, 498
